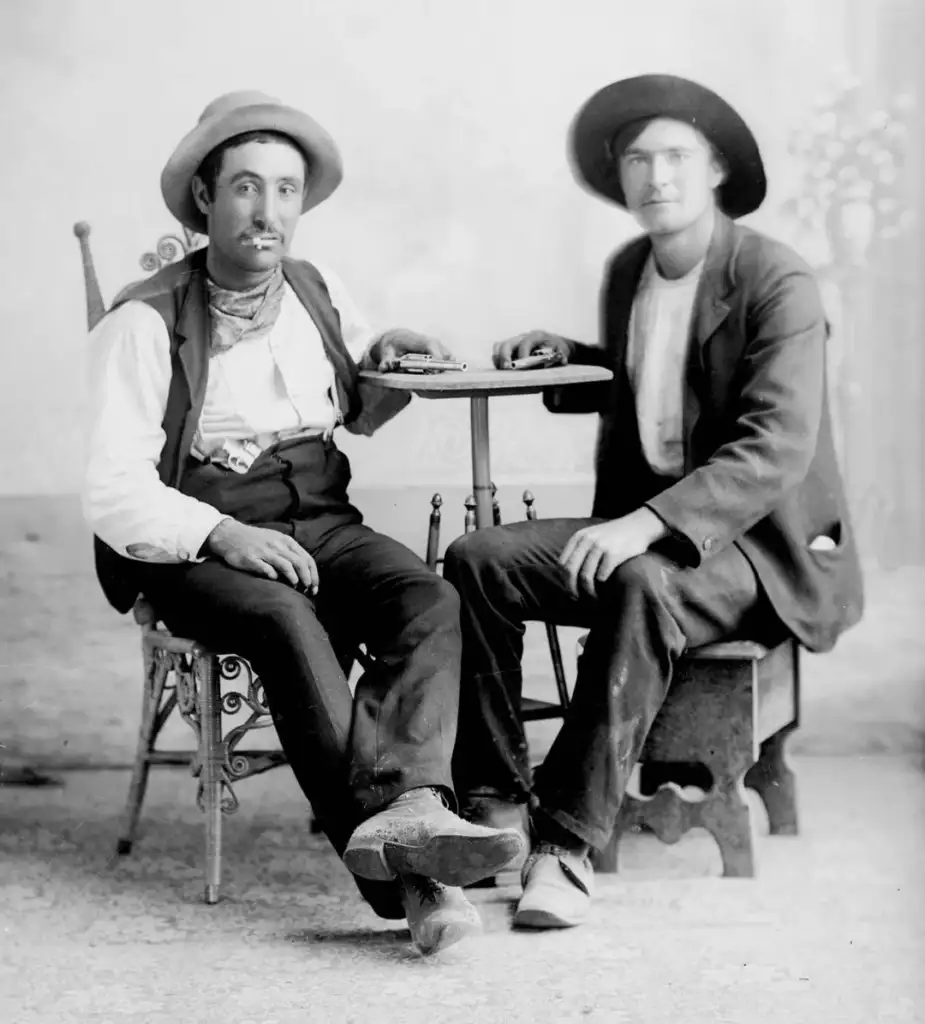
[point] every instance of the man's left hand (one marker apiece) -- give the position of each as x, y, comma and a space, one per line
592, 554
385, 351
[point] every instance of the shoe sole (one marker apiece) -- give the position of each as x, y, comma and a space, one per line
537, 919
447, 935
452, 860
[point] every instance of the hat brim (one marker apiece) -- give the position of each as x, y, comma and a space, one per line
611, 109
325, 169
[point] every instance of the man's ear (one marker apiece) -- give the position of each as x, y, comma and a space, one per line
719, 172
201, 195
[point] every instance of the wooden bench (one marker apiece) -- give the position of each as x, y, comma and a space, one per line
723, 727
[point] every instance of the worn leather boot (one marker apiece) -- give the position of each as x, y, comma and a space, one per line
438, 915
494, 811
417, 834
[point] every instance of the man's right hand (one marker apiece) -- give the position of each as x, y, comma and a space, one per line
524, 345
264, 553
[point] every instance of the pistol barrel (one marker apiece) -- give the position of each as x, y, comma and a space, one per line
537, 360
422, 362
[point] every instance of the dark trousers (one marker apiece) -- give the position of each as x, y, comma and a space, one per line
639, 623
351, 754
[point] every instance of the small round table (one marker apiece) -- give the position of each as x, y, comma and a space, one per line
478, 386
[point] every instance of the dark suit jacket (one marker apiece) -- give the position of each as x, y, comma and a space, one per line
760, 467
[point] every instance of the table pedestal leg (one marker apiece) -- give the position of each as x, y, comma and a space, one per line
481, 461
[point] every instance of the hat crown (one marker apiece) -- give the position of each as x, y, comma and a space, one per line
235, 100
238, 113
611, 110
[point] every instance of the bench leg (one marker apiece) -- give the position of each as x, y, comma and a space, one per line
773, 780
727, 817
724, 813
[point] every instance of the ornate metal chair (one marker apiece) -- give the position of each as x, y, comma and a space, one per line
723, 728
183, 676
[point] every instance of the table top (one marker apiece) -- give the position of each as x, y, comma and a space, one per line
488, 381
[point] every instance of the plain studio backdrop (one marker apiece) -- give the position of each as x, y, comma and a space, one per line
459, 216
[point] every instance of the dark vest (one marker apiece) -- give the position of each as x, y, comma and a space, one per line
178, 293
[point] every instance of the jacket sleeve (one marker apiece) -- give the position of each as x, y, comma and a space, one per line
124, 500
773, 421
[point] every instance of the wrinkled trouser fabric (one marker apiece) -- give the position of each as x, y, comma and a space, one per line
640, 622
351, 754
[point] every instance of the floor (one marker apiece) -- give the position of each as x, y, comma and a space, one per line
830, 932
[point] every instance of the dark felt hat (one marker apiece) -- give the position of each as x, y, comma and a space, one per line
616, 106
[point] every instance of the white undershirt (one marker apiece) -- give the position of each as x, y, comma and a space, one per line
279, 383
656, 357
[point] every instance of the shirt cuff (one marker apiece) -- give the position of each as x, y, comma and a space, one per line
195, 529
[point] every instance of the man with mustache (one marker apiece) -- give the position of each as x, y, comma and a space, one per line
718, 508
214, 487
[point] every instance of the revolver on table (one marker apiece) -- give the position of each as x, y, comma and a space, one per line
424, 362
538, 359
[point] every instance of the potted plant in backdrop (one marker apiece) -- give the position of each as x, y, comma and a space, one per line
850, 194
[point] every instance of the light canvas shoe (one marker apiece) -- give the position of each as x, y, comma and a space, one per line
438, 915
417, 834
557, 889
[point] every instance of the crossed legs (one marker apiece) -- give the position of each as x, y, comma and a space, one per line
354, 756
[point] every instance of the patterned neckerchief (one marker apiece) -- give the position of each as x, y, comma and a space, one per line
240, 315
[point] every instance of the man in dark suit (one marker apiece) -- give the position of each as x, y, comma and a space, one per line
718, 508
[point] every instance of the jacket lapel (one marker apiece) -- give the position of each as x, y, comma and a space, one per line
711, 306
192, 332
624, 282
308, 298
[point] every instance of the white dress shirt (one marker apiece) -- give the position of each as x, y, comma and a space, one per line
259, 391
656, 357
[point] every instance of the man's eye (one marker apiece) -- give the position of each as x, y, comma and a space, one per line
246, 188
288, 191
